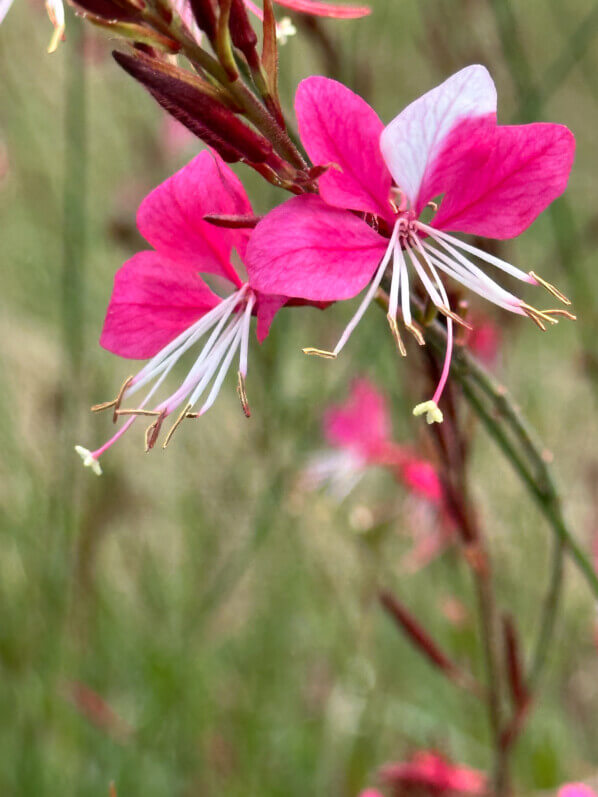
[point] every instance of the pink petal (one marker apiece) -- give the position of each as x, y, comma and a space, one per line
337, 126
422, 478
153, 301
362, 423
427, 769
326, 9
412, 140
497, 180
305, 248
171, 217
371, 793
267, 307
576, 790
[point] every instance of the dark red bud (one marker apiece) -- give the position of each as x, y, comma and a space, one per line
205, 16
243, 35
414, 631
109, 9
203, 115
233, 222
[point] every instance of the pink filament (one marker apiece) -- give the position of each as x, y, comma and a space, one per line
98, 452
447, 361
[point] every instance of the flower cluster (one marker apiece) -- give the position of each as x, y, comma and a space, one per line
376, 211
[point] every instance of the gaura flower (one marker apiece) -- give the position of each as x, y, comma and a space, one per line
428, 773
359, 433
55, 9
490, 180
160, 307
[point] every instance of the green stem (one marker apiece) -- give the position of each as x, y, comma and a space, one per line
507, 425
550, 607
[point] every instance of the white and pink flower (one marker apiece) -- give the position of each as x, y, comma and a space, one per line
490, 180
161, 308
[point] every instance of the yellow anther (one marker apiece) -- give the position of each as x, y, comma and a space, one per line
431, 410
550, 288
184, 414
329, 355
153, 430
115, 402
242, 393
456, 318
416, 334
142, 413
392, 322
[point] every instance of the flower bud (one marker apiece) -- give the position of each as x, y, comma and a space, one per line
202, 114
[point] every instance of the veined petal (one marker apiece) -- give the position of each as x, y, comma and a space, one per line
305, 248
497, 181
267, 307
152, 302
319, 9
338, 127
411, 142
171, 217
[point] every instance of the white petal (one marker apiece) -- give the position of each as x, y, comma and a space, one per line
410, 142
4, 8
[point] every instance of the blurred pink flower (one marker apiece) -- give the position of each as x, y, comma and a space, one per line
428, 773
495, 180
484, 340
160, 307
576, 790
359, 432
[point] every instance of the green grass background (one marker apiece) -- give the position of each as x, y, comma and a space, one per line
228, 618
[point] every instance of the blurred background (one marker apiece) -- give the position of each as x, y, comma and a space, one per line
195, 622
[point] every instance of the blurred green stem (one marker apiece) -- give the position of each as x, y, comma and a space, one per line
550, 607
74, 243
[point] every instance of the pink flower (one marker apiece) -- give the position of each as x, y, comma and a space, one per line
494, 181
429, 773
576, 790
160, 307
359, 432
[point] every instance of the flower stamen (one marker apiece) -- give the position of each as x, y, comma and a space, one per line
153, 430
242, 393
550, 288
392, 322
184, 414
115, 402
